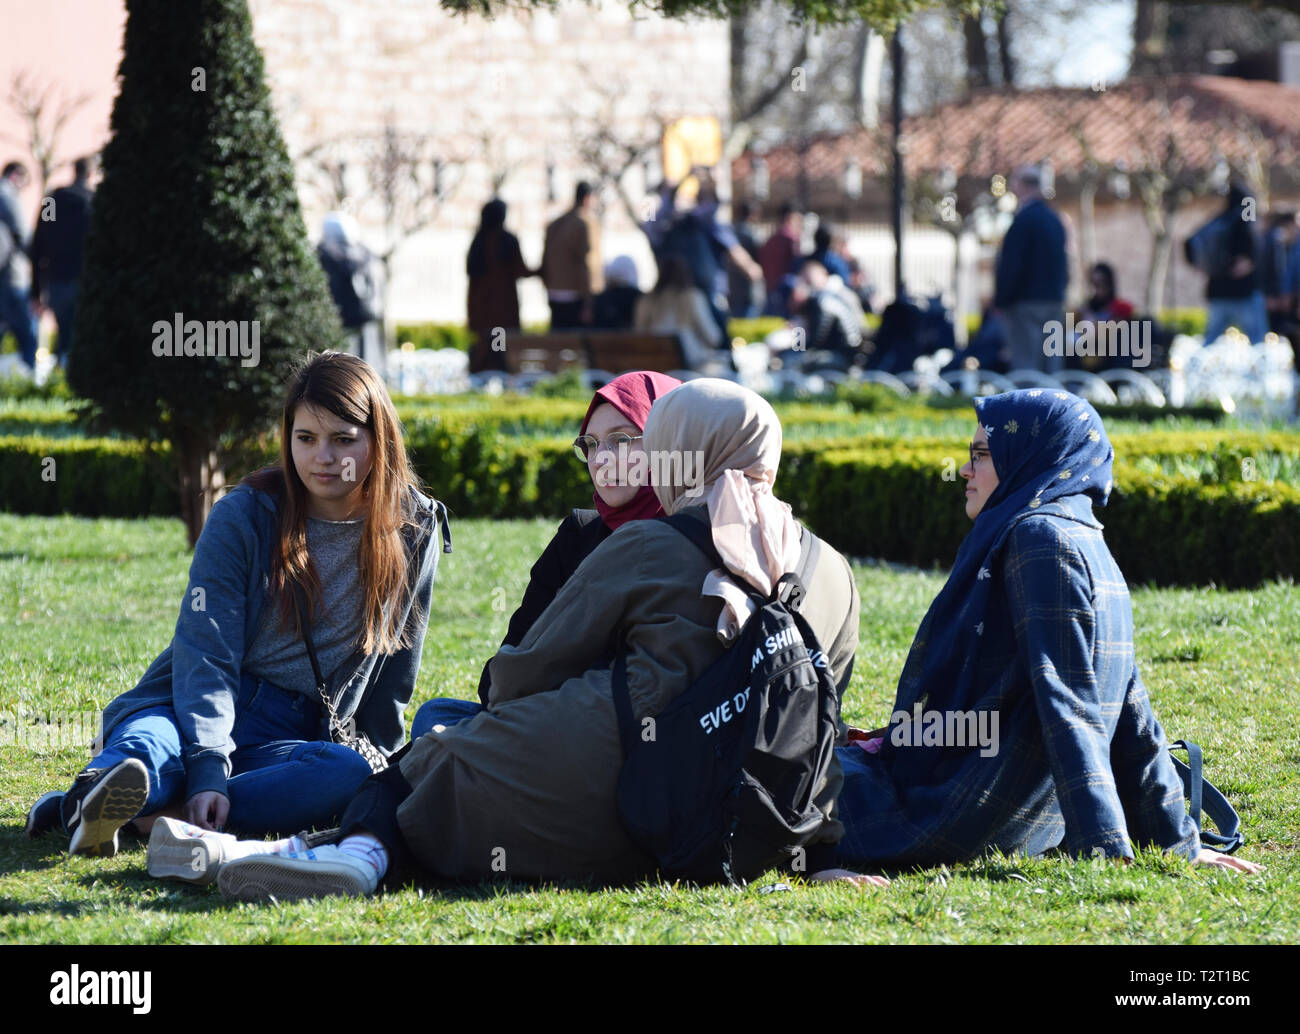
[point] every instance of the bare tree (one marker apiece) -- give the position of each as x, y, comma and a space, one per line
45, 112
610, 141
1165, 181
406, 176
411, 176
978, 72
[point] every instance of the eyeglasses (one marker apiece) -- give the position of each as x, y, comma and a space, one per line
977, 453
585, 446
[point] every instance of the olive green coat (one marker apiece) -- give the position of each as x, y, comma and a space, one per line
527, 787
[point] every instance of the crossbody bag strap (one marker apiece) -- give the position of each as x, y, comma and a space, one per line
335, 726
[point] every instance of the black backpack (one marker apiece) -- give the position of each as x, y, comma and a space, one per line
723, 784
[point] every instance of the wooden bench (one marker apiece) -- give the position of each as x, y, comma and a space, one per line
618, 351
543, 353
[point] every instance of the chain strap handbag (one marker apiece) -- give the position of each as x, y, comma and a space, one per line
340, 731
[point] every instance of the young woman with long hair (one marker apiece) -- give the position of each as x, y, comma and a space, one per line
229, 723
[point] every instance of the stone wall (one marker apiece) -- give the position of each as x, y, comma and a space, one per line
522, 99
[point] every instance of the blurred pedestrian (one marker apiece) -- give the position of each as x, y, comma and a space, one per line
824, 254
1102, 306
706, 242
494, 267
746, 295
678, 306
571, 264
1032, 273
615, 307
831, 318
777, 256
1224, 249
1277, 278
15, 269
57, 244
356, 285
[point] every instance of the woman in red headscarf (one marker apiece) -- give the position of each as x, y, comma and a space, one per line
608, 441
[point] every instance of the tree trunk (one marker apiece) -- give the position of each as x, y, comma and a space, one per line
977, 52
1004, 53
202, 483
1150, 28
1087, 224
869, 57
1160, 242
739, 52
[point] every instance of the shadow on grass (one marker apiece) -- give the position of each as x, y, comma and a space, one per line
133, 886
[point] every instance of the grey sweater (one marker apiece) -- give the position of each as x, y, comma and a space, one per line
279, 656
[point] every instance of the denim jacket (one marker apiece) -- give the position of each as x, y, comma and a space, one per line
198, 674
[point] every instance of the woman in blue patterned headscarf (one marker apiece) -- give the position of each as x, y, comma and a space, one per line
1020, 722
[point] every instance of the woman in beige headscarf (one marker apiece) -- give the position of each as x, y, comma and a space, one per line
527, 787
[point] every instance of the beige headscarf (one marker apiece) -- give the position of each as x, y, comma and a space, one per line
737, 436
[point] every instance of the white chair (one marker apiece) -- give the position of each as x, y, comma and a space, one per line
1027, 378
1130, 386
895, 384
1087, 385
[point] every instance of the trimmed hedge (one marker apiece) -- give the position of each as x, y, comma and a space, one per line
92, 477
868, 496
1165, 529
457, 335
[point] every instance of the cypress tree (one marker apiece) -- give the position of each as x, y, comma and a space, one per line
196, 223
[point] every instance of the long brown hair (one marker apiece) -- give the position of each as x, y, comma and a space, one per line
349, 388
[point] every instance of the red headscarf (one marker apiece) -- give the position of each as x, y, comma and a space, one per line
632, 394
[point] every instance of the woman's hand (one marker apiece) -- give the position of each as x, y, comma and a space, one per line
1226, 861
208, 810
846, 876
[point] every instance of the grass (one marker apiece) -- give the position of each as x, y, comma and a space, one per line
86, 605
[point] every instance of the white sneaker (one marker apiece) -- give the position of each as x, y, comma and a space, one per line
181, 851
313, 873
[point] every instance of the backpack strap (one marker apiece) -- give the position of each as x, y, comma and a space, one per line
698, 532
790, 586
1200, 791
623, 701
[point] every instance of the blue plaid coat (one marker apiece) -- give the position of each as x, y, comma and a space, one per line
1081, 761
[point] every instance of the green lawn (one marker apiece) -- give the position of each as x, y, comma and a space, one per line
86, 605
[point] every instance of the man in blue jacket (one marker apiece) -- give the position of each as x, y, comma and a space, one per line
1032, 274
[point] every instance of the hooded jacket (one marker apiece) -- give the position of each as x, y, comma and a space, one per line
198, 674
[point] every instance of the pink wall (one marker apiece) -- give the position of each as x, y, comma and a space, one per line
73, 46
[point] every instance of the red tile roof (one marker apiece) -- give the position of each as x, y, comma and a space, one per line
1129, 122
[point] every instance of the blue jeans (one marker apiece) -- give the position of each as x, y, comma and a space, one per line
442, 711
281, 779
15, 313
1246, 314
62, 298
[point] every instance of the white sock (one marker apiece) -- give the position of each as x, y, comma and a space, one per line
368, 849
233, 848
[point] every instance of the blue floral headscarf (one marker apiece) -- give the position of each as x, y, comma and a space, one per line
1044, 445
